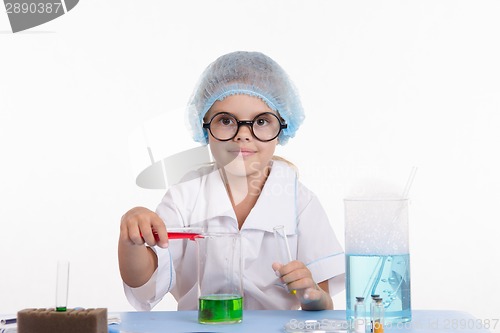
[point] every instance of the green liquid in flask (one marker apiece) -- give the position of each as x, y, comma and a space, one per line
220, 309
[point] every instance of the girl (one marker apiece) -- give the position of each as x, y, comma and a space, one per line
243, 106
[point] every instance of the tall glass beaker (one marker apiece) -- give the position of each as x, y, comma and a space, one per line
377, 255
219, 279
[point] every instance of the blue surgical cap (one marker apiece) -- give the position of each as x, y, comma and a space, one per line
248, 73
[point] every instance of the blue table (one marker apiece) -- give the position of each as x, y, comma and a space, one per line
424, 321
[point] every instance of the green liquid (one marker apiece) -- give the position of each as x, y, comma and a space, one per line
61, 309
220, 309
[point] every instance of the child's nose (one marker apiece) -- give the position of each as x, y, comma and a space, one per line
244, 133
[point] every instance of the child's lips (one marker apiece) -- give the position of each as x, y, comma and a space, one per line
243, 152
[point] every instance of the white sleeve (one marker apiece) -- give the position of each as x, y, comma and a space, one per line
145, 297
174, 211
319, 248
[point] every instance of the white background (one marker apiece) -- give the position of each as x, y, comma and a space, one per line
387, 85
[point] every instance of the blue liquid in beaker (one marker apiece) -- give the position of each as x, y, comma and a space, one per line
385, 275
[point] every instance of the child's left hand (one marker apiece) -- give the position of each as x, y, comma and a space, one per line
298, 277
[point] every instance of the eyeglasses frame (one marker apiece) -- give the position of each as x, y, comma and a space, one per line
248, 123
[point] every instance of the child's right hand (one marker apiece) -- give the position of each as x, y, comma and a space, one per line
141, 225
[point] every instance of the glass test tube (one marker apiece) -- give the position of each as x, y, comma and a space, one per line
283, 248
62, 285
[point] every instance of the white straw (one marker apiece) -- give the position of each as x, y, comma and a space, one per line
409, 182
396, 216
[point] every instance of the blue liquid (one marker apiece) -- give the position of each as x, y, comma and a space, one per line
387, 276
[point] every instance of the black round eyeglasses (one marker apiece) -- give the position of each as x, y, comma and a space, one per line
224, 126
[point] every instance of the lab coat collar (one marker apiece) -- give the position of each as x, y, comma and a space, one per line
276, 204
218, 202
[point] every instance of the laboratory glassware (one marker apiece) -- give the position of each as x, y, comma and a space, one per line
377, 255
219, 278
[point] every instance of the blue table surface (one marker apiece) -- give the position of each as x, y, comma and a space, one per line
269, 321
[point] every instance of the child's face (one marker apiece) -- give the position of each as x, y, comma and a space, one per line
243, 155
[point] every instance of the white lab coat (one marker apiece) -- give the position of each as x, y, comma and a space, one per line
203, 202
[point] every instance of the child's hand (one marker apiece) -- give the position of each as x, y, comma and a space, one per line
298, 277
138, 262
141, 225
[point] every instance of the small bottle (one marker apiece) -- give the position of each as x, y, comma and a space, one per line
378, 316
359, 315
372, 306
